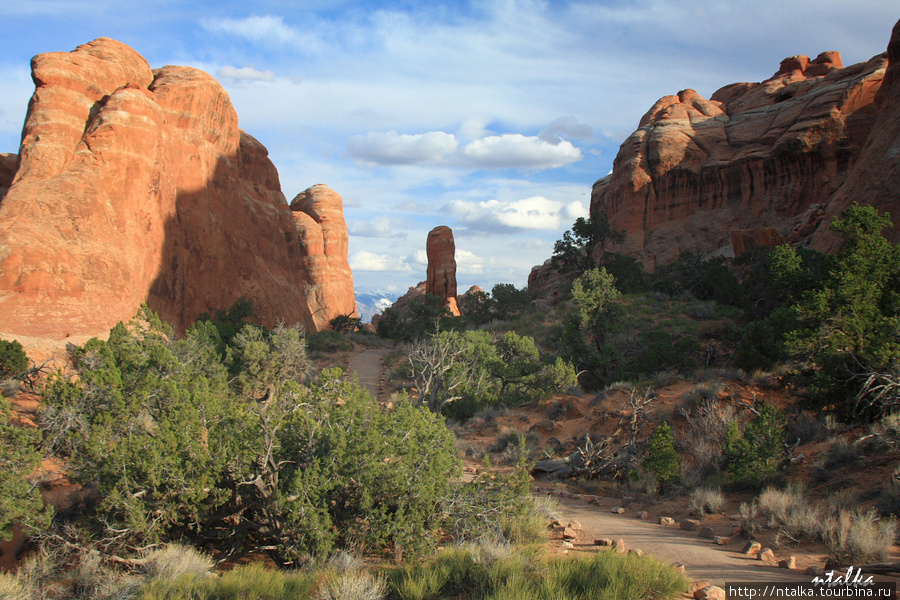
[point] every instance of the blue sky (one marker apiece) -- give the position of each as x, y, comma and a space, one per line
494, 117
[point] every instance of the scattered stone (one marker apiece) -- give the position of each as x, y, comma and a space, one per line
815, 571
788, 563
569, 534
712, 592
617, 510
603, 542
690, 524
636, 552
666, 521
697, 586
737, 530
679, 567
574, 525
567, 544
722, 541
619, 546
643, 515
707, 533
752, 548
766, 555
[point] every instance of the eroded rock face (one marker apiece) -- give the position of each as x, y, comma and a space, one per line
137, 186
755, 156
319, 214
441, 281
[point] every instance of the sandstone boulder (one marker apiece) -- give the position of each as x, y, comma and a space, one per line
136, 185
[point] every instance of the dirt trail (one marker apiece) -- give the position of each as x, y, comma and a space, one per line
368, 365
703, 559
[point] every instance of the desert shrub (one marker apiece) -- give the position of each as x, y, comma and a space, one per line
353, 584
509, 301
755, 453
858, 538
12, 589
175, 561
806, 428
661, 458
841, 454
888, 500
789, 511
250, 581
703, 279
180, 442
20, 455
707, 501
328, 342
701, 392
13, 360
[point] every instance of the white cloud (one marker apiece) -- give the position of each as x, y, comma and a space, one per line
363, 260
468, 263
379, 227
567, 127
537, 212
392, 148
269, 30
419, 257
247, 73
516, 151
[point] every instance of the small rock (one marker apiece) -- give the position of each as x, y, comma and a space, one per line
697, 586
706, 532
752, 548
737, 530
636, 552
815, 571
617, 510
722, 541
678, 567
766, 555
643, 515
603, 542
575, 525
569, 534
788, 563
690, 524
666, 521
568, 544
619, 546
712, 592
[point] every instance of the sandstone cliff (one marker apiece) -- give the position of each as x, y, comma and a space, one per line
136, 185
758, 162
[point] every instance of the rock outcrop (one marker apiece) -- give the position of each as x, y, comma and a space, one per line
757, 160
319, 214
441, 280
136, 185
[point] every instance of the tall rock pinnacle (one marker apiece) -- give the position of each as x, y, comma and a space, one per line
441, 252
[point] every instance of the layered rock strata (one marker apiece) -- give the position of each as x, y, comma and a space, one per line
755, 162
136, 185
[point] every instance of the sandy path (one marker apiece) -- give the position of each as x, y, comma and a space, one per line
703, 559
369, 367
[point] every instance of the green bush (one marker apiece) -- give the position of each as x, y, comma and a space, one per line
756, 453
13, 361
662, 459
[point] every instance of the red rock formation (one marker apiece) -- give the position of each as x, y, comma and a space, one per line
137, 186
319, 214
743, 240
756, 156
441, 280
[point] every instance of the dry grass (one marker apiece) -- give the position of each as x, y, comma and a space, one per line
857, 538
707, 501
353, 585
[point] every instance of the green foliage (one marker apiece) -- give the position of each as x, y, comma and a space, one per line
486, 572
477, 309
662, 459
595, 295
756, 453
13, 361
762, 342
845, 316
20, 457
243, 451
458, 373
704, 279
509, 301
574, 253
423, 315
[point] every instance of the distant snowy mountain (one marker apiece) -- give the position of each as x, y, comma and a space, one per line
371, 303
